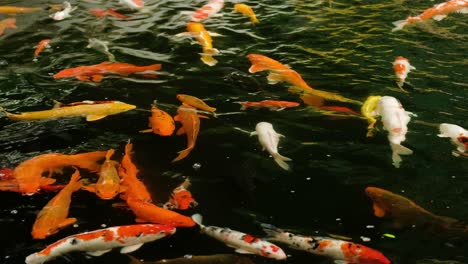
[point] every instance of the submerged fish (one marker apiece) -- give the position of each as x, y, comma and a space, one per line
198, 31
270, 104
246, 11
7, 23
107, 12
101, 46
65, 13
269, 140
43, 44
367, 110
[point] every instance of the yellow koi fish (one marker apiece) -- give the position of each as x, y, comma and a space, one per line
366, 110
246, 11
195, 102
13, 10
204, 38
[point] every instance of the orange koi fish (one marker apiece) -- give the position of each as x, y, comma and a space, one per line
246, 11
91, 110
129, 238
341, 109
13, 10
28, 174
204, 12
108, 184
135, 189
148, 212
7, 23
270, 104
195, 102
204, 38
40, 47
107, 12
161, 123
402, 67
96, 72
190, 126
181, 198
437, 12
54, 216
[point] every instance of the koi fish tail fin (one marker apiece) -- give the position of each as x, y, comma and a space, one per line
399, 25
273, 232
280, 160
182, 154
198, 218
153, 67
89, 160
75, 180
109, 154
207, 56
398, 150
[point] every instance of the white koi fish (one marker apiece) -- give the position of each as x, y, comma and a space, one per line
98, 242
242, 242
395, 120
269, 140
458, 136
133, 4
61, 15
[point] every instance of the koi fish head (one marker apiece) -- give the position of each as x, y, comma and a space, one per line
161, 122
272, 251
184, 200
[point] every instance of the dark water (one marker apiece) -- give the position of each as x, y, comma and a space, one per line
339, 46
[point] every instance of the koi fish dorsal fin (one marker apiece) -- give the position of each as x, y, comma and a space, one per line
94, 117
378, 211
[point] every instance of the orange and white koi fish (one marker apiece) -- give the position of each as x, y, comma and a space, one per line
402, 67
54, 216
181, 198
437, 12
198, 31
339, 250
13, 10
129, 238
195, 102
133, 4
96, 72
269, 140
242, 242
108, 184
395, 120
208, 10
457, 134
128, 171
91, 110
190, 126
148, 212
367, 110
65, 13
107, 12
43, 44
161, 123
7, 23
270, 104
28, 174
246, 11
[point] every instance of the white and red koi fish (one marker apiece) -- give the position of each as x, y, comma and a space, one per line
458, 136
133, 4
269, 140
395, 120
98, 242
242, 242
402, 67
61, 15
437, 12
340, 250
208, 10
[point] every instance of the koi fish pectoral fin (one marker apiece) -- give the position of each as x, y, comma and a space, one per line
98, 252
180, 131
67, 222
378, 211
130, 249
439, 17
274, 78
240, 250
94, 117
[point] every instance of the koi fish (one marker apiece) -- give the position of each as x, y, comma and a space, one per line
211, 259
246, 11
107, 12
54, 216
96, 72
195, 102
7, 23
367, 110
135, 189
28, 174
13, 10
269, 140
101, 241
437, 12
457, 135
65, 13
133, 4
339, 250
91, 110
190, 126
270, 104
395, 120
40, 47
402, 67
101, 46
181, 198
148, 212
198, 31
161, 123
341, 109
108, 184
242, 242
208, 10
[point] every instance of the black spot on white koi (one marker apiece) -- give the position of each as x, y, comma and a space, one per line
74, 241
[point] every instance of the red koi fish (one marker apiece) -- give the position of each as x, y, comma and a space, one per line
54, 216
437, 12
135, 189
208, 10
40, 47
161, 123
107, 12
341, 251
96, 72
7, 23
129, 238
181, 198
402, 67
190, 126
270, 104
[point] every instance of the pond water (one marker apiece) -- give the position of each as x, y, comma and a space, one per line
344, 46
